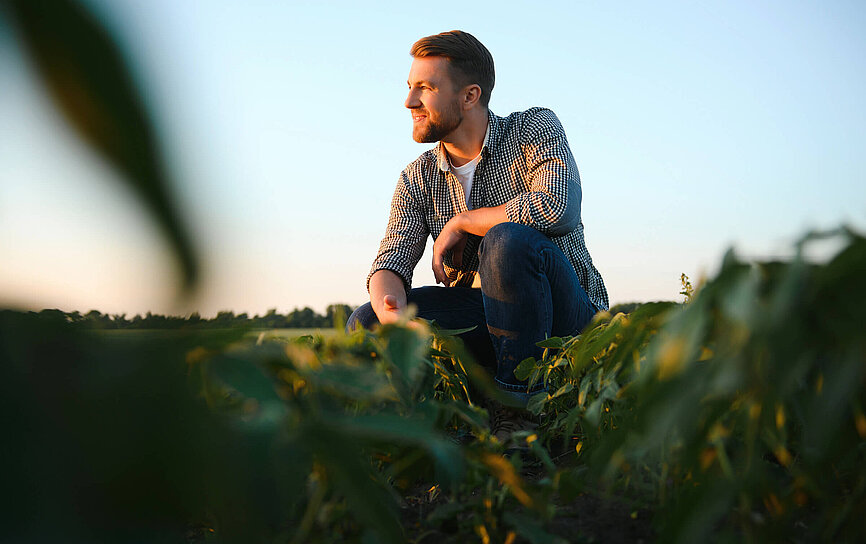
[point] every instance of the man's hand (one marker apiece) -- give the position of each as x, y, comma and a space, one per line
393, 310
387, 296
390, 310
453, 238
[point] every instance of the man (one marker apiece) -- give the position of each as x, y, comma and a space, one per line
501, 198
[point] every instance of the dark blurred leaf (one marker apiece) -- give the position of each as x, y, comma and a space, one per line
105, 441
90, 83
532, 530
360, 383
541, 453
244, 376
571, 483
365, 493
446, 511
396, 429
505, 472
405, 349
464, 412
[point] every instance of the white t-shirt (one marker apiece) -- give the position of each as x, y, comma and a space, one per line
466, 173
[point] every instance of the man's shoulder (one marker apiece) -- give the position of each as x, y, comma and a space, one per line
535, 112
521, 124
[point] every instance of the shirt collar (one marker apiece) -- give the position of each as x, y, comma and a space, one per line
491, 137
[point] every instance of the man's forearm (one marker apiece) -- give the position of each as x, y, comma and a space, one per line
480, 220
382, 284
454, 236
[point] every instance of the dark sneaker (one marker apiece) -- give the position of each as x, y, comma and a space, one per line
511, 426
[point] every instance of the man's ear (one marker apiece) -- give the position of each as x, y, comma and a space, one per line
471, 96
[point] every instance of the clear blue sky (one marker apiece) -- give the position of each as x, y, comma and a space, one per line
695, 126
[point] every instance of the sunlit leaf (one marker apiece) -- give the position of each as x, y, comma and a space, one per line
564, 390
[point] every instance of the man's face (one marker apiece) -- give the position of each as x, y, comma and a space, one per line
433, 100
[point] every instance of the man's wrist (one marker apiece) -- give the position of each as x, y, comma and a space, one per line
479, 220
462, 221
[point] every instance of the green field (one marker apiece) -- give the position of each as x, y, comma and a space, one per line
137, 334
292, 333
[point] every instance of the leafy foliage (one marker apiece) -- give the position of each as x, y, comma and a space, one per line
313, 440
736, 416
742, 408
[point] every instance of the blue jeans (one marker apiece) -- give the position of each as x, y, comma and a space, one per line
529, 291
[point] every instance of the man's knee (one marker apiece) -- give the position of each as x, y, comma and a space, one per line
362, 317
504, 242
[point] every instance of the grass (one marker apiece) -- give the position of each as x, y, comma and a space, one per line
289, 334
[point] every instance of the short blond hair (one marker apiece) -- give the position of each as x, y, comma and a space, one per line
469, 61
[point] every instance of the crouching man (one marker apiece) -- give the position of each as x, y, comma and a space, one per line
501, 198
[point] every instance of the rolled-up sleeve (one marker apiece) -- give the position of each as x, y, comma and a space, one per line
552, 204
405, 236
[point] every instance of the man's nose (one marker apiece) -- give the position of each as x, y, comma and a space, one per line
412, 100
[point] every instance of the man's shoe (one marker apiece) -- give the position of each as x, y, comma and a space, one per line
506, 422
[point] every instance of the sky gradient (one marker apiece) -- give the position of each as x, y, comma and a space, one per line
694, 127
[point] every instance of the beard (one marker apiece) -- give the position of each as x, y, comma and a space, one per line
434, 128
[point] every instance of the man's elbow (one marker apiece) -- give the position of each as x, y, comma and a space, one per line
569, 219
563, 226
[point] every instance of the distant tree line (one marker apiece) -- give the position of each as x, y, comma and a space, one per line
306, 318
629, 307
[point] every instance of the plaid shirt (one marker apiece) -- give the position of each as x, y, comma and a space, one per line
525, 164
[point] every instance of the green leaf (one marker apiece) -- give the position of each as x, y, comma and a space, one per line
584, 390
90, 83
365, 493
453, 332
532, 530
244, 376
469, 414
396, 429
570, 423
446, 511
593, 412
406, 350
536, 402
552, 342
262, 408
356, 382
565, 389
525, 368
571, 483
540, 452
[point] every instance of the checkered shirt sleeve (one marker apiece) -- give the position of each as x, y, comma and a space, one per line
550, 170
405, 235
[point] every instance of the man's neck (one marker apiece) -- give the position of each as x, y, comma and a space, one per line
464, 143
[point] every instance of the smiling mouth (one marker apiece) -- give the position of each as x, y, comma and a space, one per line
418, 117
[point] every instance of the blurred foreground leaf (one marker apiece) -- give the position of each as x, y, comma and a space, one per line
91, 84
